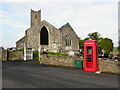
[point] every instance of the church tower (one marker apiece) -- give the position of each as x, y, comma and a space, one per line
35, 17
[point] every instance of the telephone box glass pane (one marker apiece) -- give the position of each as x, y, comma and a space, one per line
89, 50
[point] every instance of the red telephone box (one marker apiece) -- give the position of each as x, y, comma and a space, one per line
90, 56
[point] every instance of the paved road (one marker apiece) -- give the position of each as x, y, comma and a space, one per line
26, 75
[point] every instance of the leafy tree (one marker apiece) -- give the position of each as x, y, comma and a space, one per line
86, 38
103, 43
81, 44
94, 36
106, 44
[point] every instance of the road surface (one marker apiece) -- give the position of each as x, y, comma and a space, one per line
21, 74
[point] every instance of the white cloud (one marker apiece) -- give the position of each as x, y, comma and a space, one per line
13, 24
102, 19
12, 19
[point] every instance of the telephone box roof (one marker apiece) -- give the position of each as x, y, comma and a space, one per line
91, 41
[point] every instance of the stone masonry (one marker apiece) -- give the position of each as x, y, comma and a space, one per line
15, 55
44, 35
68, 61
3, 54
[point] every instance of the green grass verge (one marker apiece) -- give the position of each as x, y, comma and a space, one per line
21, 50
52, 53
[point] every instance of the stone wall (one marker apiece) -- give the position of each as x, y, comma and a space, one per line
7, 55
54, 36
16, 55
57, 60
68, 30
35, 17
0, 54
33, 37
68, 61
109, 66
3, 55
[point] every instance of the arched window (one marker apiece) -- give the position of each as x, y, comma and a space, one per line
68, 40
44, 36
35, 16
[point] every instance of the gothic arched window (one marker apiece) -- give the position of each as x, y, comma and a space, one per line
44, 38
68, 40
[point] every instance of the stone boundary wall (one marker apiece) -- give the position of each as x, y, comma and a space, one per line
3, 55
68, 61
15, 55
7, 55
1, 51
109, 66
58, 60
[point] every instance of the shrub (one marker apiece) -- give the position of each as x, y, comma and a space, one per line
35, 55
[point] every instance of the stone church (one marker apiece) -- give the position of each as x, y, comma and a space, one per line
49, 38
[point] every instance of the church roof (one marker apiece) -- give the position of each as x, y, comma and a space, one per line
21, 38
66, 25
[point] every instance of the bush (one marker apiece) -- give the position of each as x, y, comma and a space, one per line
35, 55
19, 50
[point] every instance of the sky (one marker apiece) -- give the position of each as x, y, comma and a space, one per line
85, 16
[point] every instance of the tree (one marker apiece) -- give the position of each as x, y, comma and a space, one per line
106, 44
81, 45
87, 38
103, 43
94, 36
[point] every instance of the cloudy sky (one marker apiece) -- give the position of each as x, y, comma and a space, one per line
85, 16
